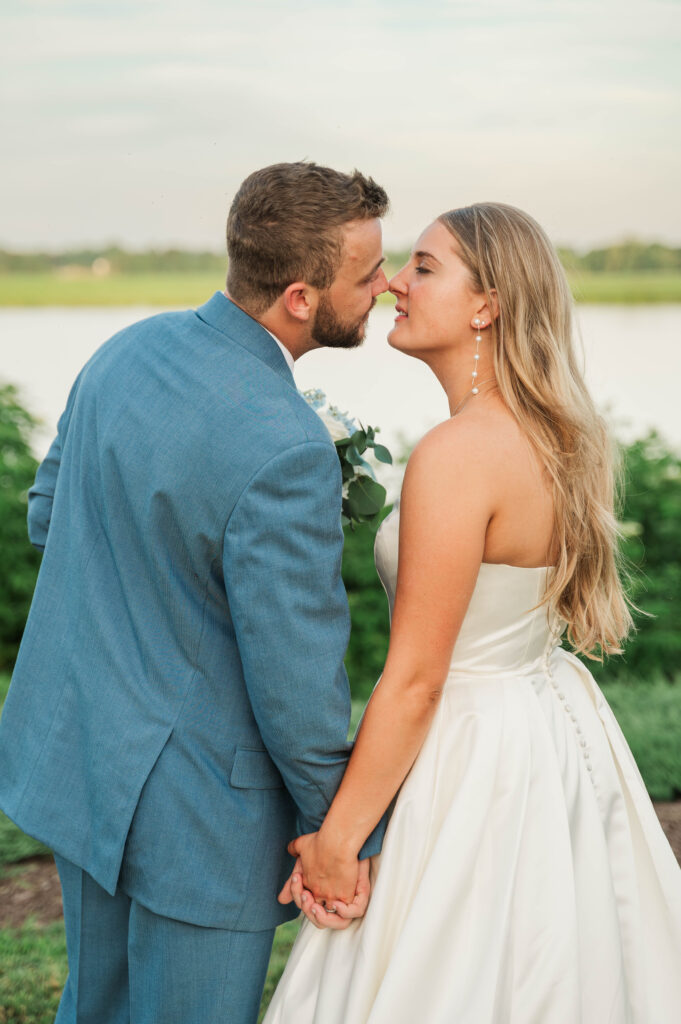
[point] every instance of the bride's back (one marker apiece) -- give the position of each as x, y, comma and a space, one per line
521, 530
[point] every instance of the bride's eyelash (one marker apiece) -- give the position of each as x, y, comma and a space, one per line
422, 270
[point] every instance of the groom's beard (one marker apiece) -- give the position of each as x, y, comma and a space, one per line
329, 330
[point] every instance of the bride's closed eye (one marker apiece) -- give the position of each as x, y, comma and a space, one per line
422, 270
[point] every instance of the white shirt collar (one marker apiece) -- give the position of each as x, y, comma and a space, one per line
285, 352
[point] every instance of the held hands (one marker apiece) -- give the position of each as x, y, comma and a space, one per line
329, 871
329, 885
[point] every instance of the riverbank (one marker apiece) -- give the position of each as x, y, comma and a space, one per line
168, 289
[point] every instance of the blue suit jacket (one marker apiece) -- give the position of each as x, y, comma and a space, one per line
179, 707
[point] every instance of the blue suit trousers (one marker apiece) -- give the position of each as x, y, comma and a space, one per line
128, 965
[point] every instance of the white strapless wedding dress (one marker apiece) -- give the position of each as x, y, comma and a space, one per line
524, 877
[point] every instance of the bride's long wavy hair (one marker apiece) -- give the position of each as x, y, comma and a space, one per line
507, 252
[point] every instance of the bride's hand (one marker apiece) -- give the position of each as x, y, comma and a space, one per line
339, 915
329, 871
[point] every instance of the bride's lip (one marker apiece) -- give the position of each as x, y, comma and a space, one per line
400, 314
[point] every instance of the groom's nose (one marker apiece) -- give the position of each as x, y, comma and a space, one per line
380, 285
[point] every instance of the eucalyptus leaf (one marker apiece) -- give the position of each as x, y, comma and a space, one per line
353, 456
367, 496
359, 440
351, 508
382, 454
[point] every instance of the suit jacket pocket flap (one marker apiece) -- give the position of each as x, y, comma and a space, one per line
254, 769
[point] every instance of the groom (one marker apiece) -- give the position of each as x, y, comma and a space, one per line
179, 707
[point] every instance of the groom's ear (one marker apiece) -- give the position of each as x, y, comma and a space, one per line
299, 301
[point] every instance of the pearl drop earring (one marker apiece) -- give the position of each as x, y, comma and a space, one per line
478, 338
475, 385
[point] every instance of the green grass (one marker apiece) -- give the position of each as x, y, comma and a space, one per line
625, 287
167, 290
192, 288
33, 972
15, 845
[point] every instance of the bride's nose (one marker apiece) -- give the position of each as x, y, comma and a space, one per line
398, 284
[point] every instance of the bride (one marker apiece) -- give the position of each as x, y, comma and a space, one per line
524, 877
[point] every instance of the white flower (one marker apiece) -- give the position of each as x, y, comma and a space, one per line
335, 427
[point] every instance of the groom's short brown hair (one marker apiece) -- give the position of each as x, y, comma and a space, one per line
284, 226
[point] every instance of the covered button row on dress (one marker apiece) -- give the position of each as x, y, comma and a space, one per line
550, 648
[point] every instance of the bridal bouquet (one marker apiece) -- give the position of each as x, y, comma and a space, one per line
363, 496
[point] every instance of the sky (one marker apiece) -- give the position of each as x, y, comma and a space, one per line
134, 122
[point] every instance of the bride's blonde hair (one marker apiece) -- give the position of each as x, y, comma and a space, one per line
507, 252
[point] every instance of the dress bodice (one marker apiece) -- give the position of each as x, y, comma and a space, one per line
505, 629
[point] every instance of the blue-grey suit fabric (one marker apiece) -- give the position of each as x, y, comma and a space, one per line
128, 965
179, 707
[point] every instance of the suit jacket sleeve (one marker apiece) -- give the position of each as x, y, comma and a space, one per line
41, 494
282, 569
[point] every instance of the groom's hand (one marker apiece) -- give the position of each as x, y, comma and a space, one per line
329, 872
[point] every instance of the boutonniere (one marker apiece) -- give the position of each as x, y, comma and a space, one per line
363, 496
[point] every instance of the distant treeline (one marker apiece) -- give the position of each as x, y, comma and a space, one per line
112, 260
625, 256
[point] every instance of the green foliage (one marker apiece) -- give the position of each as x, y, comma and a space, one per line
649, 715
622, 256
651, 515
368, 609
19, 561
117, 261
365, 496
629, 255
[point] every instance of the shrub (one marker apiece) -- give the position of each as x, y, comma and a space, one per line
369, 611
651, 516
19, 561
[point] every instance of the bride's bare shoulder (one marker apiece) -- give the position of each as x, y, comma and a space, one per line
470, 440
474, 458
445, 463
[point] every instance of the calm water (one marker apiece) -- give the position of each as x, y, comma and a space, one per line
632, 364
